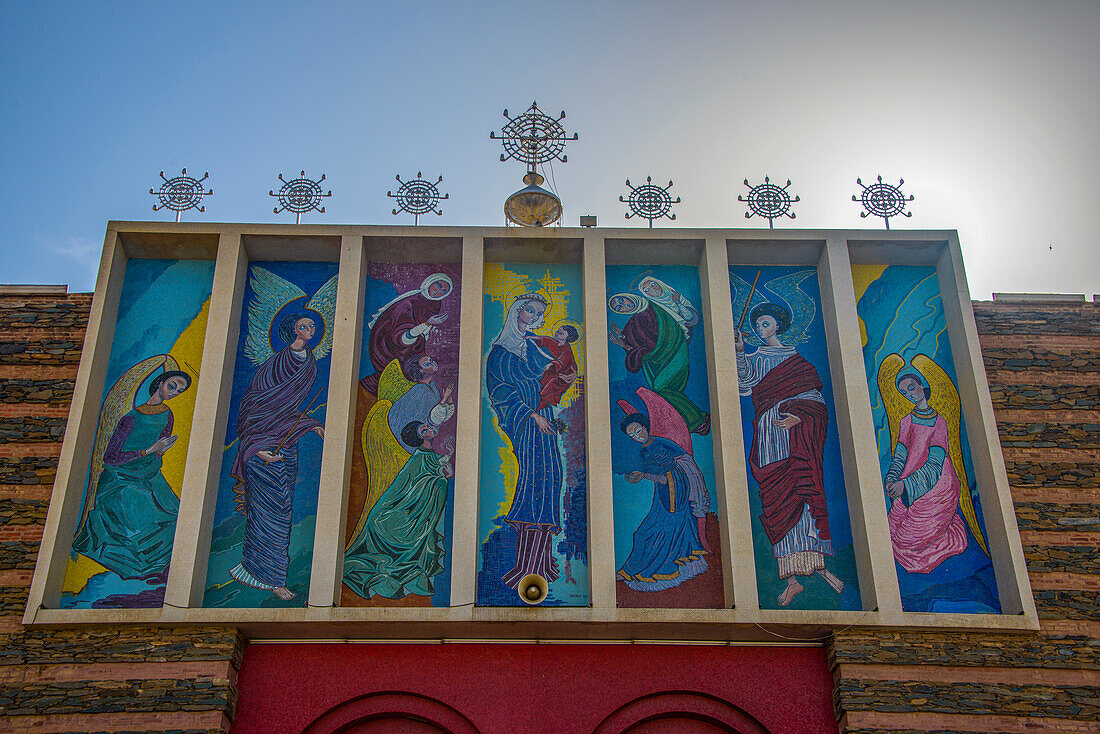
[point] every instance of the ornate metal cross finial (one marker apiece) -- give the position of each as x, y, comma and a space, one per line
180, 193
533, 137
883, 200
418, 196
649, 201
769, 201
300, 195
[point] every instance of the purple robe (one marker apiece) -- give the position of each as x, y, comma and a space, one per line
270, 419
385, 342
271, 405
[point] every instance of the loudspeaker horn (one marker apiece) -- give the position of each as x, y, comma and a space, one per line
533, 589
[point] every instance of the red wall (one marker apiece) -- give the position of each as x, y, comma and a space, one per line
533, 688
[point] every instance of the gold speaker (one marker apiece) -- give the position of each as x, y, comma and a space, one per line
533, 589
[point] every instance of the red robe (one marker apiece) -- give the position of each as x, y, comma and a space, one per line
787, 484
384, 343
552, 382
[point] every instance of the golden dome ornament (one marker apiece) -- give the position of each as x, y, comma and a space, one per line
533, 138
532, 206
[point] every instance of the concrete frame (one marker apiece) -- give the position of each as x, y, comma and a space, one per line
713, 250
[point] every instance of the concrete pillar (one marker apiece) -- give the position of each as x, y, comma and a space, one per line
76, 450
187, 574
878, 580
332, 498
730, 470
1001, 531
597, 409
464, 532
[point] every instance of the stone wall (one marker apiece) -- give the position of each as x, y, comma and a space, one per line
1042, 364
109, 679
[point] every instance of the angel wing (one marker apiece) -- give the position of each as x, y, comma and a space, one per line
897, 407
664, 420
945, 401
119, 401
392, 383
382, 452
739, 290
799, 303
384, 457
324, 303
270, 294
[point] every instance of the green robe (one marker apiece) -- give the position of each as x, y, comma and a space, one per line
132, 524
399, 549
657, 345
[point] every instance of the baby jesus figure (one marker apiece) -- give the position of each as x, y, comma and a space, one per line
562, 370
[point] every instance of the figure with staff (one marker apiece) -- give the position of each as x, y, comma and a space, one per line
790, 422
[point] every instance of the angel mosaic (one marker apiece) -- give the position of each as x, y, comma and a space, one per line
396, 547
790, 422
129, 519
394, 544
271, 420
655, 339
926, 484
669, 545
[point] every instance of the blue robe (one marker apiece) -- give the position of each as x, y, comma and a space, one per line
666, 550
270, 418
513, 385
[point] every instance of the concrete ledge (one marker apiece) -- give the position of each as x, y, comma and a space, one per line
34, 289
1039, 297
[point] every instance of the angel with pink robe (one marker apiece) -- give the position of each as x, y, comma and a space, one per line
922, 485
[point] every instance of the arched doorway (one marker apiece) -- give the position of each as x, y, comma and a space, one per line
391, 712
677, 711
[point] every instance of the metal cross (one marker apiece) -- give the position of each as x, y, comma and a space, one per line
533, 137
768, 201
418, 196
649, 201
883, 200
300, 195
181, 193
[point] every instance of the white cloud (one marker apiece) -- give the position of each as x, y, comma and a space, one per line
83, 250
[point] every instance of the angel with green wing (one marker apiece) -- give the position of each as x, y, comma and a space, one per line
272, 418
129, 519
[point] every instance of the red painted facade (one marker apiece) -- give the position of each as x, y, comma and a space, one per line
519, 688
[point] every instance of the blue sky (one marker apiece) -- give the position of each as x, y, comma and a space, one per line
988, 109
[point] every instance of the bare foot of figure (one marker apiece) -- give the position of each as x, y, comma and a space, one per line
833, 581
283, 593
788, 595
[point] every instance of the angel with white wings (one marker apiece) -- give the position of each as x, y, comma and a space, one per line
271, 419
790, 423
129, 519
926, 483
